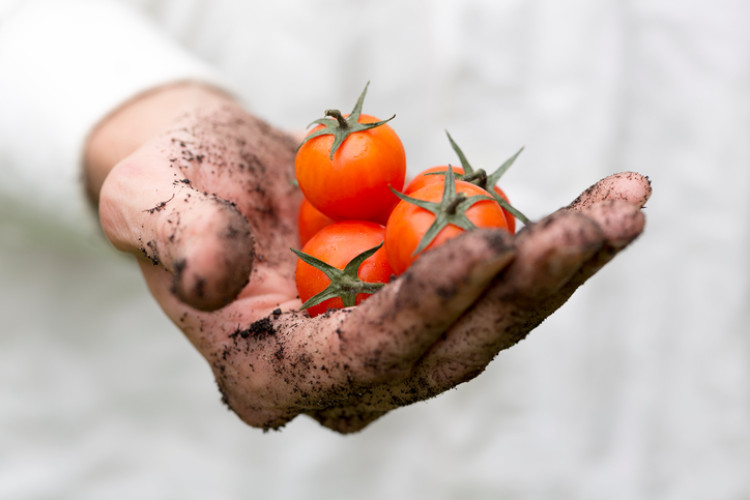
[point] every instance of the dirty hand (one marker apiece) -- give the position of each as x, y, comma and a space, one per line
209, 208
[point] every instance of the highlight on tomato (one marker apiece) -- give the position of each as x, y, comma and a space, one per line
341, 265
346, 164
434, 214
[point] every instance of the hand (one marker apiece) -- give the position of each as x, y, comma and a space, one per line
209, 208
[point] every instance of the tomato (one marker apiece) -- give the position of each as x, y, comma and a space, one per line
347, 165
309, 221
354, 184
337, 244
428, 177
408, 222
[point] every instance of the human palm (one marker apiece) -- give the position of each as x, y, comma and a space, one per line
210, 207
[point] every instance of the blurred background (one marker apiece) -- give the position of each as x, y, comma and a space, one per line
638, 388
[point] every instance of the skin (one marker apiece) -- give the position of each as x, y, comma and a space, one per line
199, 191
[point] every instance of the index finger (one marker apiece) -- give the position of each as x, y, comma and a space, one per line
385, 335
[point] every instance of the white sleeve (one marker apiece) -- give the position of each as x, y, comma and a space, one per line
63, 66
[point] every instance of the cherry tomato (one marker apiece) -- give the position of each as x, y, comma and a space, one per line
428, 176
355, 183
408, 223
337, 244
309, 221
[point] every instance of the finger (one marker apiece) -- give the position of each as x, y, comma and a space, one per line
549, 255
384, 335
561, 251
630, 187
147, 208
325, 366
614, 203
554, 258
621, 223
558, 254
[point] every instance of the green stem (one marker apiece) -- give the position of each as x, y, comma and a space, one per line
454, 204
335, 113
478, 177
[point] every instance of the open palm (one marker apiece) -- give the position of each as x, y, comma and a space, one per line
210, 208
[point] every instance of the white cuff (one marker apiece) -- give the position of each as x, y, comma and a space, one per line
65, 66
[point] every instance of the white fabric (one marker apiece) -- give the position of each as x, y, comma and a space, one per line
639, 388
64, 66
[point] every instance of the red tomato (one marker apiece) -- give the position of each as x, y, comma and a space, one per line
426, 177
337, 244
408, 223
355, 183
309, 221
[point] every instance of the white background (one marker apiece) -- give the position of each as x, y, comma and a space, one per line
638, 388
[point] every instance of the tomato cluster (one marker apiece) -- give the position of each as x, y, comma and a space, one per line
359, 226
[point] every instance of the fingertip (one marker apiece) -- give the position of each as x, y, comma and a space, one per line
202, 240
214, 257
630, 187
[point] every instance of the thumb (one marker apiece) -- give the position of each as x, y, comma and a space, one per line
148, 209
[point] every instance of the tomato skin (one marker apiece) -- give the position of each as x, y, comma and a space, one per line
408, 223
337, 244
425, 178
354, 185
309, 221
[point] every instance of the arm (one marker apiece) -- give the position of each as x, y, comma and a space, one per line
208, 208
62, 71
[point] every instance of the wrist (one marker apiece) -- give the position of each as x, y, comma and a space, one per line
137, 121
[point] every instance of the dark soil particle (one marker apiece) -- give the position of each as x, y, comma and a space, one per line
152, 255
159, 207
261, 329
446, 293
179, 268
224, 398
200, 287
279, 354
232, 232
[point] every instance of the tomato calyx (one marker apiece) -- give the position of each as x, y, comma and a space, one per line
341, 127
487, 181
345, 284
451, 209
